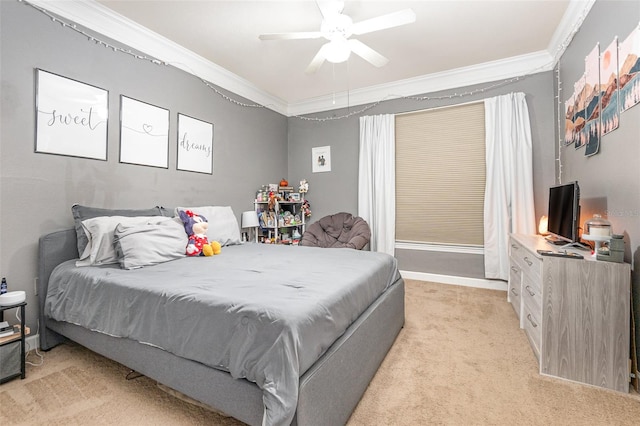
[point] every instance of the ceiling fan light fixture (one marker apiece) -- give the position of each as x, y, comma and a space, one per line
337, 51
336, 27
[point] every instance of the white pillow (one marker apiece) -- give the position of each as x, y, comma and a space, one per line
150, 243
223, 225
99, 232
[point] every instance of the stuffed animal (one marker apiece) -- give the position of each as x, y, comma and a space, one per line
216, 247
304, 186
196, 227
306, 208
272, 200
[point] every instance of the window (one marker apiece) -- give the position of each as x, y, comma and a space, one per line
440, 175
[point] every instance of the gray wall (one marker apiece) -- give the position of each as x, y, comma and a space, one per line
610, 180
335, 191
37, 190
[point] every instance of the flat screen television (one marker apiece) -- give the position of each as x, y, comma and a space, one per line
564, 213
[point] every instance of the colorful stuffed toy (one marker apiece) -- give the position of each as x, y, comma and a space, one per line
196, 227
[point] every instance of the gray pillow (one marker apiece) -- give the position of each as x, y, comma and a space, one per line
99, 231
81, 213
160, 240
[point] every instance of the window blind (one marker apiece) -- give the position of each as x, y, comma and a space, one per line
440, 175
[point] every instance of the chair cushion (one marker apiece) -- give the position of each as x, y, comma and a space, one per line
338, 230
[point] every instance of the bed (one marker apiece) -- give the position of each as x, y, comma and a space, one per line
270, 369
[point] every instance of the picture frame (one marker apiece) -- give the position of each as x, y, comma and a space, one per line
144, 133
71, 117
195, 145
273, 187
295, 196
321, 159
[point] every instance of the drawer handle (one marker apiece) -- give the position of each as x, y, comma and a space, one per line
526, 259
514, 246
514, 269
515, 293
531, 320
530, 292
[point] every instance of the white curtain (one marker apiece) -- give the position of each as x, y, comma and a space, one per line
377, 180
508, 200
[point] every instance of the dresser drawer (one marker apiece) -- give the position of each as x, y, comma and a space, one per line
515, 285
531, 314
531, 294
527, 261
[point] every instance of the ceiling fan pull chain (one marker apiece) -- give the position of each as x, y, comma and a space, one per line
333, 72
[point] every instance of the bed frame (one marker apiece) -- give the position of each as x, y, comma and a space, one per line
328, 392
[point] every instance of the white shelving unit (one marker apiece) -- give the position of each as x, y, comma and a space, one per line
276, 222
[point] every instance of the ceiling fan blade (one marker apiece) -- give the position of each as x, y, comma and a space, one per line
330, 7
290, 36
317, 60
367, 53
390, 20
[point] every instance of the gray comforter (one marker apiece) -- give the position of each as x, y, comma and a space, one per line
261, 312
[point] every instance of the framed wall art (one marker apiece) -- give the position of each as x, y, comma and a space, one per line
71, 117
195, 145
321, 159
144, 133
592, 102
609, 93
628, 65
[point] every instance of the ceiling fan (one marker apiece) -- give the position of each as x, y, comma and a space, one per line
337, 27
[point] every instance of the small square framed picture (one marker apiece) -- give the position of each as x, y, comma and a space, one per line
294, 196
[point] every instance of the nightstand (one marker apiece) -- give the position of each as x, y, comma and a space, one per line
12, 348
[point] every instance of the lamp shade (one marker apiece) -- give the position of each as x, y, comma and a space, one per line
337, 51
249, 219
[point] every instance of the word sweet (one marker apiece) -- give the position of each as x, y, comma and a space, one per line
84, 119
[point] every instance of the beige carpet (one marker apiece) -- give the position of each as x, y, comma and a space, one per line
460, 359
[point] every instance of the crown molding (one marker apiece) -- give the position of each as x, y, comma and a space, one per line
461, 77
571, 21
96, 17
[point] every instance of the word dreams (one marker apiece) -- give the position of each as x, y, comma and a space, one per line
193, 146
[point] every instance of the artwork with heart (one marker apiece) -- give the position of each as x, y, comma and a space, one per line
144, 133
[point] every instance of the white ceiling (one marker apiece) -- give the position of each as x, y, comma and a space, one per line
452, 43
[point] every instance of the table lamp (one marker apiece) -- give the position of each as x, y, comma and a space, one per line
250, 220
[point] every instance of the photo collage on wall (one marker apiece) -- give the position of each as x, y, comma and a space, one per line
609, 86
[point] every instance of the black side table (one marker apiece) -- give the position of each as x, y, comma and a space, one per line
9, 346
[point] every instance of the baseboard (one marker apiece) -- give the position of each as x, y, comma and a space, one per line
461, 281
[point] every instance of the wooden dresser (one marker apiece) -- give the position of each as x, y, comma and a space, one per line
575, 312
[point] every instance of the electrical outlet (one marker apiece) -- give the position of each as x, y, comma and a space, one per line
35, 285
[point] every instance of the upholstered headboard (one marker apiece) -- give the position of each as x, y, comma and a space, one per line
54, 248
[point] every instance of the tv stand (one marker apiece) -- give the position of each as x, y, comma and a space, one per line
577, 245
554, 240
564, 244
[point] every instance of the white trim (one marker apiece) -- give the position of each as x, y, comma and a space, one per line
461, 281
571, 21
444, 248
461, 77
96, 17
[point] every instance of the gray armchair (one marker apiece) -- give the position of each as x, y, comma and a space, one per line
338, 230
